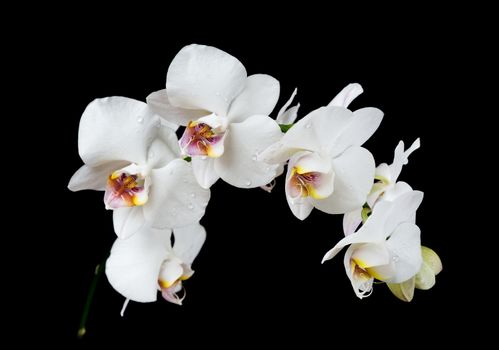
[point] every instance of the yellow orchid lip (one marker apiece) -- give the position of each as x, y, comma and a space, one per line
303, 183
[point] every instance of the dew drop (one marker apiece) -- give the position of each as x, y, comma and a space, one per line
254, 157
190, 206
395, 258
193, 195
248, 183
140, 119
307, 126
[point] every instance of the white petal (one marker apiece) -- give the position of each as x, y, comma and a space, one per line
383, 173
175, 197
347, 95
405, 247
404, 291
318, 130
244, 141
395, 191
160, 153
402, 210
204, 171
116, 129
371, 254
370, 232
360, 128
351, 221
425, 278
204, 77
277, 153
134, 264
127, 221
159, 103
354, 176
306, 162
188, 242
401, 158
287, 116
259, 96
93, 178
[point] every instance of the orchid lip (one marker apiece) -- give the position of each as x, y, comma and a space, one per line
200, 139
303, 184
125, 190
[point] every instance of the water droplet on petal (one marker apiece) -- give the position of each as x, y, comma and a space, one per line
267, 169
140, 119
193, 195
190, 206
185, 180
254, 158
395, 258
248, 183
308, 125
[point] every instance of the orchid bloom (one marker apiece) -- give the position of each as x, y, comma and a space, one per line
387, 247
146, 263
424, 279
225, 113
386, 188
131, 155
327, 168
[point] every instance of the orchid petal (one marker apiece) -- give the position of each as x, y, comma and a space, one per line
259, 96
116, 129
239, 165
93, 178
188, 242
134, 264
158, 101
354, 174
204, 171
175, 198
401, 158
287, 116
127, 221
347, 95
405, 247
351, 221
206, 78
360, 128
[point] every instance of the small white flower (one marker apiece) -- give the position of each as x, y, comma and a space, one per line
387, 247
225, 113
146, 263
386, 188
134, 158
327, 168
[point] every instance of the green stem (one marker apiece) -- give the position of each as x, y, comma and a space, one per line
285, 127
99, 269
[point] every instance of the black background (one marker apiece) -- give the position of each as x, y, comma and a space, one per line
258, 277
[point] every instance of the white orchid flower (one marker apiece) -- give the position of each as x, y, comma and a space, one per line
225, 113
146, 263
424, 279
133, 157
387, 247
386, 188
327, 168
